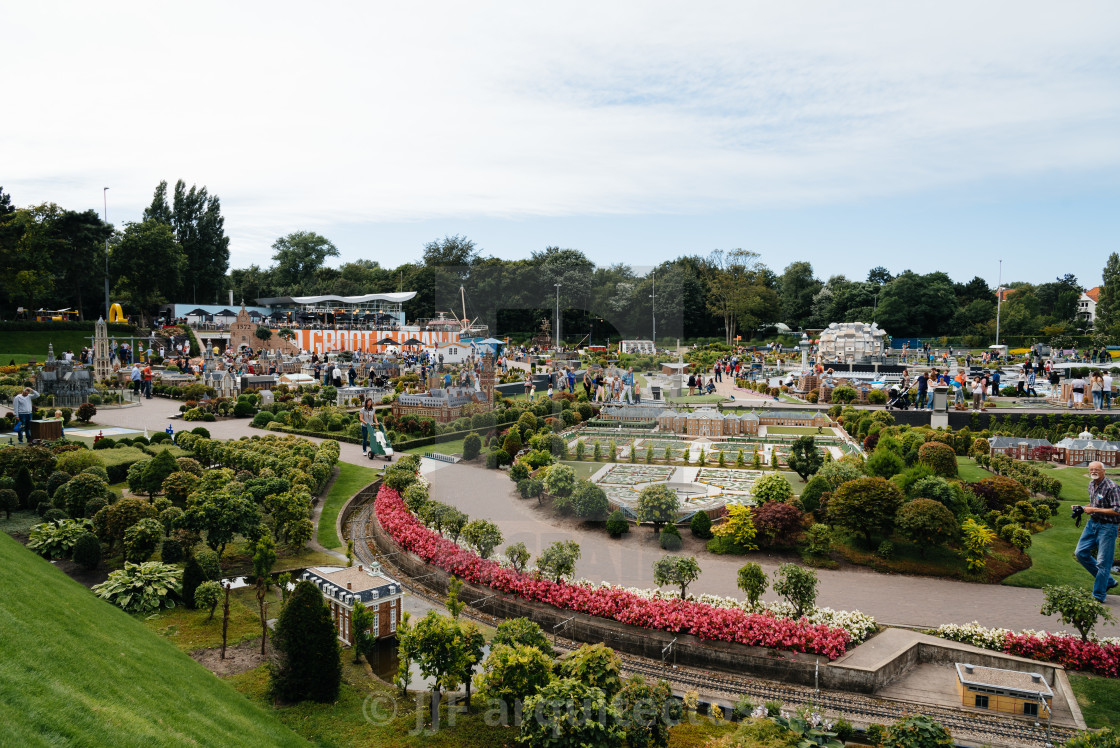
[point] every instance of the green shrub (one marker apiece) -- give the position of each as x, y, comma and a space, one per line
142, 539
589, 501
670, 538
519, 471
496, 458
701, 525
171, 551
472, 445
617, 524
941, 457
87, 551
261, 419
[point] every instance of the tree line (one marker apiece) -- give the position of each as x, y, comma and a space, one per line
179, 252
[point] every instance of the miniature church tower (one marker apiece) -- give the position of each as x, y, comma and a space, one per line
487, 379
102, 364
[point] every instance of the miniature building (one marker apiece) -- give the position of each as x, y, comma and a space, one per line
1005, 691
631, 413
1082, 451
645, 347
444, 405
102, 360
243, 334
851, 342
1020, 448
344, 588
708, 422
452, 353
70, 386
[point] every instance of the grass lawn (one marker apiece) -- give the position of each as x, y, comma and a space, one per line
74, 670
189, 630
696, 400
350, 480
798, 430
31, 345
1099, 699
453, 447
968, 470
20, 522
584, 470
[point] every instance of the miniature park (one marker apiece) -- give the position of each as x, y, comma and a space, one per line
709, 535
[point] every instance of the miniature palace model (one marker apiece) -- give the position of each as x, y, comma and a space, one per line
708, 422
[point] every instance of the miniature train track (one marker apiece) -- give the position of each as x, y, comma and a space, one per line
729, 688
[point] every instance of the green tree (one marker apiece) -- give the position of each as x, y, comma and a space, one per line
559, 559
222, 515
309, 664
596, 665
658, 505
80, 490
560, 480
678, 570
866, 507
446, 651
362, 621
1108, 305
797, 287
589, 501
772, 487
121, 515
927, 523
521, 632
156, 472
142, 539
518, 556
798, 586
646, 712
884, 463
570, 714
196, 219
298, 256
482, 535
512, 673
207, 596
1075, 607
804, 457
752, 580
148, 265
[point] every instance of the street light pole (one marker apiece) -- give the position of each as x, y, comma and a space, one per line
557, 316
999, 298
105, 199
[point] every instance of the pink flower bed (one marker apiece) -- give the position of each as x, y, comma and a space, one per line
1068, 651
677, 616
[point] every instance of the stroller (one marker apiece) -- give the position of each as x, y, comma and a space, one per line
710, 388
898, 399
379, 445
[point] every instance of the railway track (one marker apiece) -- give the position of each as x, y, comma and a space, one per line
727, 688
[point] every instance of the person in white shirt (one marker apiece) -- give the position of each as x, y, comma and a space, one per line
23, 408
1107, 390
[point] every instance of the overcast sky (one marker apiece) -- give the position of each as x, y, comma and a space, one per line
925, 136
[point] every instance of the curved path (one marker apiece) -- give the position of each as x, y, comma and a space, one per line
489, 494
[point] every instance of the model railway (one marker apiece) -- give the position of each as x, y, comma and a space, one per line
972, 727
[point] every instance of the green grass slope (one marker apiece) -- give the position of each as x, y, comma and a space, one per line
75, 670
27, 345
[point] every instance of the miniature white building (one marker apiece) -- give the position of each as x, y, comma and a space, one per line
851, 342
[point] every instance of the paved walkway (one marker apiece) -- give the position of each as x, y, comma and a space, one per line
489, 494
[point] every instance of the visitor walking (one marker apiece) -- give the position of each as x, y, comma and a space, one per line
1096, 386
367, 417
146, 378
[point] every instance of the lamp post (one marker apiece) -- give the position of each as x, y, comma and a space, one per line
999, 298
557, 316
105, 198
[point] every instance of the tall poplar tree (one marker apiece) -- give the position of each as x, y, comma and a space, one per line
1108, 304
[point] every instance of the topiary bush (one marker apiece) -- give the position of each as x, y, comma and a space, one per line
941, 457
472, 445
171, 551
495, 458
141, 540
617, 524
87, 551
701, 525
670, 538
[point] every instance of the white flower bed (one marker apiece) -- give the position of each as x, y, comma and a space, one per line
994, 638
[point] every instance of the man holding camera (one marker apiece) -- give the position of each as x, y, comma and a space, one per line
1100, 530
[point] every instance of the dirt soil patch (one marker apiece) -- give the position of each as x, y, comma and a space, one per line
239, 658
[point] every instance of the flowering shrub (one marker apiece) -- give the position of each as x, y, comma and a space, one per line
677, 616
1101, 656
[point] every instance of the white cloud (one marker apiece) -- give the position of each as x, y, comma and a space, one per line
300, 115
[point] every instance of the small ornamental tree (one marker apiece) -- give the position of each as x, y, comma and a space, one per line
589, 501
798, 586
361, 619
884, 463
518, 471
308, 665
617, 524
453, 523
818, 541
941, 457
1000, 492
567, 714
866, 507
156, 472
207, 596
1075, 606
513, 673
752, 580
142, 539
738, 527
658, 505
472, 445
25, 485
81, 489
87, 551
9, 501
597, 665
646, 712
804, 458
772, 487
560, 480
521, 632
518, 556
483, 536
670, 538
926, 523
776, 523
178, 485
679, 570
559, 559
123, 514
977, 538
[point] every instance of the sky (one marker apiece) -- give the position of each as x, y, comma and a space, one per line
944, 136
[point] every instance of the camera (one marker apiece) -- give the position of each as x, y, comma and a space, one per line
1075, 513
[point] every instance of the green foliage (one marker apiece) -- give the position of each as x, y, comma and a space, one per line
818, 540
570, 714
883, 463
171, 551
57, 539
679, 570
80, 490
866, 506
483, 536
752, 580
646, 712
810, 733
142, 539
589, 501
472, 445
595, 665
798, 586
916, 731
361, 619
207, 597
804, 458
309, 666
670, 538
617, 524
941, 457
927, 523
976, 539
518, 556
87, 551
559, 559
1105, 738
772, 487
495, 458
560, 480
1075, 606
738, 527
519, 471
658, 505
521, 632
513, 672
141, 588
839, 472
701, 525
